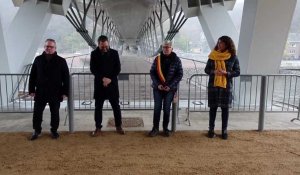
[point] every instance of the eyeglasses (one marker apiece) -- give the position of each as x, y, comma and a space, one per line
51, 47
166, 47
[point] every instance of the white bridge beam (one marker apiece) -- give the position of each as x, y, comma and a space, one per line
216, 22
264, 31
4, 68
26, 31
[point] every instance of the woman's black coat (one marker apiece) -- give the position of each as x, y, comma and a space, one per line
222, 97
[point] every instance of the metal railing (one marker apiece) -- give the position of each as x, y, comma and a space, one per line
13, 93
78, 63
22, 82
135, 94
135, 91
282, 93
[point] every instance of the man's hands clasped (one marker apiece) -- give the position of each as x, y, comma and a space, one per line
164, 88
106, 81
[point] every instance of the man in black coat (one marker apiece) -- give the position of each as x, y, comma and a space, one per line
48, 83
105, 66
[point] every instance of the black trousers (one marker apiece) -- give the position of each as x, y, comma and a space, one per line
212, 118
38, 110
114, 102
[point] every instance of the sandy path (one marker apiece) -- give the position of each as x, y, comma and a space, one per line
246, 152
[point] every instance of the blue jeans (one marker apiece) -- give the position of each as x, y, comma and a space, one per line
162, 98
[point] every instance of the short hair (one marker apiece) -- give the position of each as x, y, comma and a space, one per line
229, 44
167, 42
51, 40
102, 38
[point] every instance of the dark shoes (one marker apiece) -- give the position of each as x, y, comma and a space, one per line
54, 135
120, 130
224, 135
153, 132
211, 134
35, 135
96, 133
167, 133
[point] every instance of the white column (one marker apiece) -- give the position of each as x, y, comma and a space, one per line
216, 22
4, 68
25, 33
264, 31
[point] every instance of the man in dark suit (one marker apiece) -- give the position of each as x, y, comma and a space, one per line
105, 66
48, 83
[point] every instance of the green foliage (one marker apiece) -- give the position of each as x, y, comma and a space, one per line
181, 42
67, 38
71, 43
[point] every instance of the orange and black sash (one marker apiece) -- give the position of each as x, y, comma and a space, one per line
159, 70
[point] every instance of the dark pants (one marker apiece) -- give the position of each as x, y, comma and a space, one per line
38, 110
212, 118
114, 102
162, 98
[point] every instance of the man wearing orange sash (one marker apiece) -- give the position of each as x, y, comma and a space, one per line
166, 73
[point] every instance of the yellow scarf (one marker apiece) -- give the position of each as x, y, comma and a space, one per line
219, 58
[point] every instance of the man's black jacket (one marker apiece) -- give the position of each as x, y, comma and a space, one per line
105, 65
49, 79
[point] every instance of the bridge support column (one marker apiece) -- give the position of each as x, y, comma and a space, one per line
216, 22
264, 31
4, 68
25, 33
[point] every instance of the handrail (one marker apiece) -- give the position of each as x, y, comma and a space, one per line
193, 60
288, 93
77, 56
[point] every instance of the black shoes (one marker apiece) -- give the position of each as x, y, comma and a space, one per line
54, 135
120, 130
35, 135
224, 135
167, 133
153, 132
211, 134
96, 133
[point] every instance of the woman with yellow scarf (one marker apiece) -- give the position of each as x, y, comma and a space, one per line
222, 66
